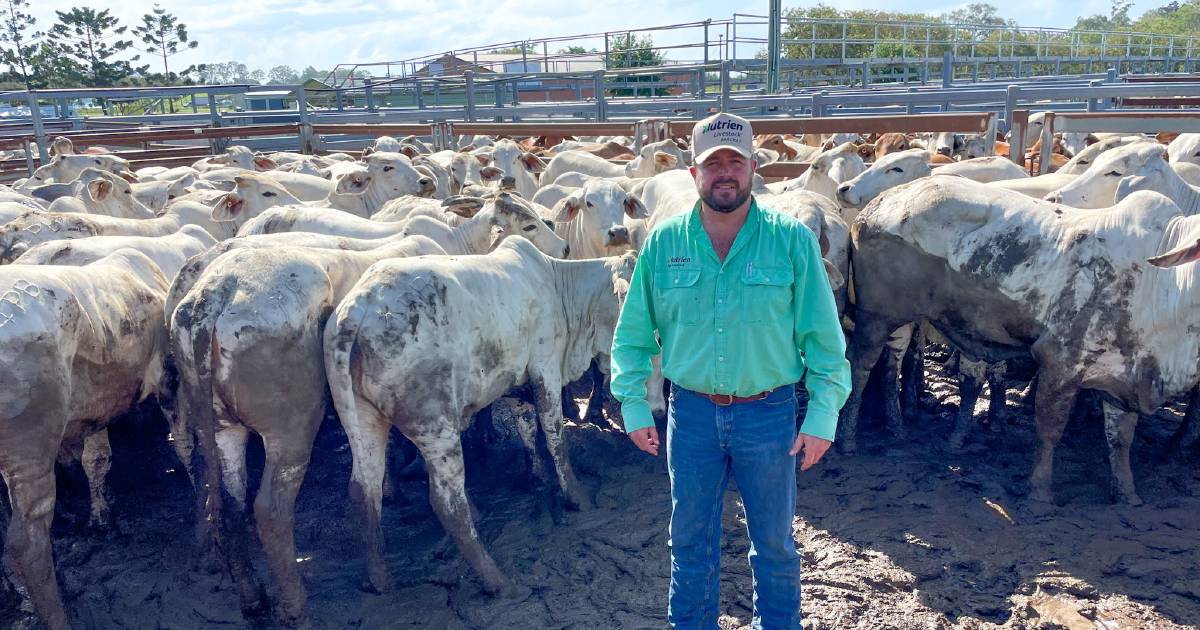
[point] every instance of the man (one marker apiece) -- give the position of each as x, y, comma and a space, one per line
739, 297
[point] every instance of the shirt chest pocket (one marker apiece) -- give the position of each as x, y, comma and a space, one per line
766, 293
679, 292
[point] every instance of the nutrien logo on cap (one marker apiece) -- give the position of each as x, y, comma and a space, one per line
722, 131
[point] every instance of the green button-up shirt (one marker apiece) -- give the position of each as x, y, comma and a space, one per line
743, 326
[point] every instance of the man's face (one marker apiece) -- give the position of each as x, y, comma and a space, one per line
723, 180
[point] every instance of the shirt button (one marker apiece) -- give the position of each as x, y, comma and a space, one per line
720, 358
721, 301
720, 330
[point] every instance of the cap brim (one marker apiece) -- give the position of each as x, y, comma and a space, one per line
711, 150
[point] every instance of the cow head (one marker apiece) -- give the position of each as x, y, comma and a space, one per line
1185, 148
1097, 186
601, 208
252, 194
511, 215
395, 176
657, 157
888, 172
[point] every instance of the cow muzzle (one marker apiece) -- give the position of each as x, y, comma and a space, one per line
428, 186
616, 236
944, 151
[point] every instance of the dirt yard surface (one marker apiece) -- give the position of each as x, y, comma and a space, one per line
905, 534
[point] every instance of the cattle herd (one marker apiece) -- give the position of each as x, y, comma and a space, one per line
238, 291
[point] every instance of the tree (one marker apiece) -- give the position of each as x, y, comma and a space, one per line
283, 74
513, 50
978, 13
632, 51
230, 72
20, 47
91, 39
163, 34
575, 50
54, 69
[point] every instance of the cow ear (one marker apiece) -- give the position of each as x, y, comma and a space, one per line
264, 163
128, 176
99, 189
463, 205
490, 173
665, 160
466, 149
1179, 256
409, 150
836, 281
354, 183
227, 207
1090, 140
366, 152
533, 162
568, 207
866, 151
484, 158
425, 170
635, 209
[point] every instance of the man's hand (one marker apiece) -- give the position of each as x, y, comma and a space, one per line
814, 448
646, 439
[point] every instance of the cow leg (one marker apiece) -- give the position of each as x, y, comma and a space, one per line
970, 382
97, 460
367, 433
1188, 433
523, 419
27, 549
997, 394
231, 444
868, 340
654, 389
287, 458
892, 361
9, 598
912, 375
231, 447
598, 399
551, 420
443, 455
1052, 408
1119, 426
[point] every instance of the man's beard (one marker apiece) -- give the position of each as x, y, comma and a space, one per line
710, 199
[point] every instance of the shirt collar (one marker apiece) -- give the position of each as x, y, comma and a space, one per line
695, 229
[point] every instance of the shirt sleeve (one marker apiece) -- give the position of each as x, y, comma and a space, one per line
820, 339
634, 347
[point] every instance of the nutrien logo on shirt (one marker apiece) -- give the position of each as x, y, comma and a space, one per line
678, 261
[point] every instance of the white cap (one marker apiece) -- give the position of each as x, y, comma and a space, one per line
722, 131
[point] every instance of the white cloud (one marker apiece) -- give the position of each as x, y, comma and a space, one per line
322, 33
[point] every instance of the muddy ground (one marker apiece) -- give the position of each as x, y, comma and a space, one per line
903, 535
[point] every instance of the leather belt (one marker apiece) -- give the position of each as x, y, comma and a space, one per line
724, 400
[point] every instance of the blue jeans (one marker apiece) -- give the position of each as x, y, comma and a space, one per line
705, 443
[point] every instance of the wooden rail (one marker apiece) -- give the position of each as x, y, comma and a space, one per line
153, 134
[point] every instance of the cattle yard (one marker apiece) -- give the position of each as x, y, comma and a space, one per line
240, 469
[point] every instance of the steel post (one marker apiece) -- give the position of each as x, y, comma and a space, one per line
601, 101
308, 145
39, 132
726, 86
214, 117
773, 49
469, 76
1011, 95
1047, 143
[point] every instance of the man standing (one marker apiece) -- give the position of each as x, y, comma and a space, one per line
739, 297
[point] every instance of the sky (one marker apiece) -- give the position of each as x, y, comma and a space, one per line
323, 33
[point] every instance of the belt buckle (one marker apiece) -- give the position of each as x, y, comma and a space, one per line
723, 404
